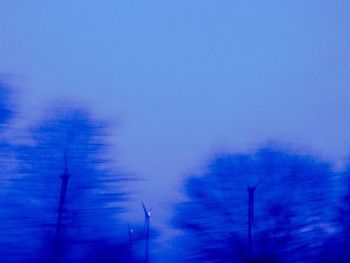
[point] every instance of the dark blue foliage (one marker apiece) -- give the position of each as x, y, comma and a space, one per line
6, 110
292, 208
61, 199
89, 228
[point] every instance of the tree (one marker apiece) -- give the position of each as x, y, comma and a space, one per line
8, 163
337, 247
94, 195
6, 110
291, 214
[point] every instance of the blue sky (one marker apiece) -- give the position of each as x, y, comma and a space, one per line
185, 79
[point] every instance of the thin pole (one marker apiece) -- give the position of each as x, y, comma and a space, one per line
147, 241
146, 229
64, 185
251, 191
130, 243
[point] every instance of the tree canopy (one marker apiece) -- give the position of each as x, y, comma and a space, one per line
291, 207
94, 195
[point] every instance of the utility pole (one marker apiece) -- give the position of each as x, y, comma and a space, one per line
251, 193
146, 229
131, 232
64, 183
147, 243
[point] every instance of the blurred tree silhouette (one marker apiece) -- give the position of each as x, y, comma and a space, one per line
94, 196
337, 247
291, 212
7, 162
5, 104
6, 115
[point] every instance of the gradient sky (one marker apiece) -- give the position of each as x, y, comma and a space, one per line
186, 78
